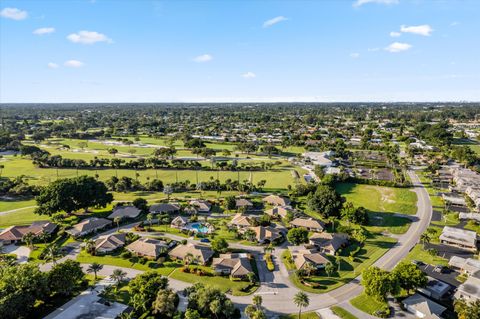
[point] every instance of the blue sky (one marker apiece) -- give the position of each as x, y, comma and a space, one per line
183, 51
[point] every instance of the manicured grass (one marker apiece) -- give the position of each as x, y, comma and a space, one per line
342, 313
385, 221
305, 315
472, 225
367, 304
6, 205
222, 283
379, 198
417, 253
448, 219
373, 249
115, 260
20, 217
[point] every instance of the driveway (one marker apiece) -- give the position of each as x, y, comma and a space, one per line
22, 252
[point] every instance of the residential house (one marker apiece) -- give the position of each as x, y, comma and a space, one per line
276, 200
14, 234
242, 202
308, 223
179, 222
264, 235
236, 265
470, 289
422, 307
108, 243
202, 206
303, 256
465, 239
435, 288
148, 247
279, 211
241, 221
201, 253
164, 208
467, 266
88, 226
124, 212
329, 243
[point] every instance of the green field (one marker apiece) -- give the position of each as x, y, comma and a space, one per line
305, 315
417, 253
342, 313
379, 198
367, 304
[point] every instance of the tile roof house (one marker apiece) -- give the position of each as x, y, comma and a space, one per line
201, 206
266, 234
164, 208
329, 243
423, 307
302, 256
465, 239
179, 222
470, 289
88, 226
242, 202
14, 234
276, 200
202, 253
241, 221
279, 211
109, 243
148, 247
125, 212
235, 265
308, 223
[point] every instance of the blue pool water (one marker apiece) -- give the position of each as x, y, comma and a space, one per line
199, 228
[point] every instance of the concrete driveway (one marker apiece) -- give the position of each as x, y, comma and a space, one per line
22, 252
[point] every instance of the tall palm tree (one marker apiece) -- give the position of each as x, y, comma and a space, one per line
90, 247
118, 275
95, 268
52, 253
301, 300
28, 239
149, 219
425, 239
117, 221
257, 301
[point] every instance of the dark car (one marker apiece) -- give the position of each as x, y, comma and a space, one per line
204, 240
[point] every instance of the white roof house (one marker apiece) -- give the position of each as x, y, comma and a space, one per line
465, 239
470, 289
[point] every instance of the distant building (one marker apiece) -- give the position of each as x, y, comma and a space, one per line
329, 243
423, 307
201, 206
465, 239
125, 212
435, 288
309, 224
235, 265
164, 208
467, 266
201, 253
179, 222
242, 202
15, 234
268, 234
241, 221
470, 289
109, 243
303, 256
148, 247
276, 200
88, 226
279, 211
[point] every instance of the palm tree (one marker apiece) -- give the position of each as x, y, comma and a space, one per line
118, 275
309, 269
52, 254
188, 259
28, 239
150, 218
117, 221
90, 247
301, 300
425, 239
95, 268
257, 301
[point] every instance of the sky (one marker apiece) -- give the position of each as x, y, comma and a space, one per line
239, 51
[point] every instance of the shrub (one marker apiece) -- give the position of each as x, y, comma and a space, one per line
126, 254
269, 261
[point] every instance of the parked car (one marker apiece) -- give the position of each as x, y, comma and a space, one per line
204, 240
418, 263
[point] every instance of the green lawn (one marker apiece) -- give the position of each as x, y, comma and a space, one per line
379, 198
373, 249
115, 260
342, 313
417, 253
305, 315
222, 283
379, 222
20, 217
472, 225
367, 304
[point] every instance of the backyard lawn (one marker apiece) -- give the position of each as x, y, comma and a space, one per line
417, 253
342, 313
305, 315
367, 304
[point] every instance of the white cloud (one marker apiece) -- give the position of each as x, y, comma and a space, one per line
359, 3
373, 49
14, 13
454, 24
423, 29
249, 75
355, 55
42, 31
88, 37
203, 58
395, 34
273, 21
52, 65
74, 64
396, 47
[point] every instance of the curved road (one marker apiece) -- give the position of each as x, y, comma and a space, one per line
276, 289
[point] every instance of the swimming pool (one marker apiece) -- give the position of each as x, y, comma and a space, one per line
199, 228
